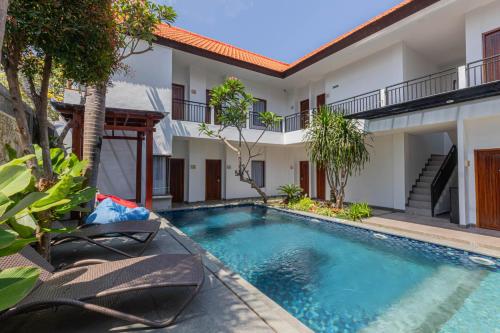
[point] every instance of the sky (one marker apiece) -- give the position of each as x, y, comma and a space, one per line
280, 29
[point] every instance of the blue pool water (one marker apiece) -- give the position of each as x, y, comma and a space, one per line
336, 278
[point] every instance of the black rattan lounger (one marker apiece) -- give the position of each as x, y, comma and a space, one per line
81, 283
93, 233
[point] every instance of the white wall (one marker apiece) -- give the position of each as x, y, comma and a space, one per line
415, 65
374, 72
199, 152
477, 22
480, 133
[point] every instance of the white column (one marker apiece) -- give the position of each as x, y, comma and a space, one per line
383, 97
212, 115
462, 172
462, 77
398, 180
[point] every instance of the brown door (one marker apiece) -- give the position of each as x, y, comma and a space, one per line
304, 113
304, 176
177, 179
177, 101
213, 180
488, 188
320, 100
491, 42
320, 183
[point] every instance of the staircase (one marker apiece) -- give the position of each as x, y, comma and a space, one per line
420, 196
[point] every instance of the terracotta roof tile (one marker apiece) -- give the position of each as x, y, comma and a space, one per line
205, 46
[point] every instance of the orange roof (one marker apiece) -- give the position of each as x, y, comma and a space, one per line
207, 47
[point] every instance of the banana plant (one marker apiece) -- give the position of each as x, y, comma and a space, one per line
27, 212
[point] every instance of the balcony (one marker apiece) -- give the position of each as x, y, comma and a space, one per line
196, 112
474, 80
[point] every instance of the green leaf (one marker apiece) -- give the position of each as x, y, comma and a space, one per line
7, 237
15, 284
16, 246
24, 224
58, 230
14, 179
77, 199
38, 154
57, 158
22, 204
17, 161
4, 204
56, 193
11, 152
50, 205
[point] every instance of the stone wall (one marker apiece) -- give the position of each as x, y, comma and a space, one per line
8, 126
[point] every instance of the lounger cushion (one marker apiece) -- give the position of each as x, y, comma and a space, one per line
109, 211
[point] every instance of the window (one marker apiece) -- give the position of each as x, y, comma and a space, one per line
259, 173
160, 175
260, 105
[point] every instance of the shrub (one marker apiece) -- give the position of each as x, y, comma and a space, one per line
305, 204
292, 192
356, 212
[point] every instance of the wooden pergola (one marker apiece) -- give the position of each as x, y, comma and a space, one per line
139, 121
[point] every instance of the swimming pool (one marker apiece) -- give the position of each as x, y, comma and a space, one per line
337, 278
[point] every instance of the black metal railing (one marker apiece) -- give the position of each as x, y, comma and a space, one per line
421, 87
255, 122
360, 103
296, 121
190, 111
443, 176
483, 71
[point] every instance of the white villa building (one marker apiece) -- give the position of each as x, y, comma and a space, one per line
423, 78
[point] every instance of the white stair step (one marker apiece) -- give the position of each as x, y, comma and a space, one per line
421, 190
420, 197
418, 211
431, 173
426, 179
434, 168
423, 184
435, 162
420, 204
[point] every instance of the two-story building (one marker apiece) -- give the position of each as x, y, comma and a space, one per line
423, 78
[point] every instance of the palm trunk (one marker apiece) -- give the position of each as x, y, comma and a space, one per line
93, 130
11, 66
40, 100
4, 5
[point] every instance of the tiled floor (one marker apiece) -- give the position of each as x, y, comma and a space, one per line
224, 304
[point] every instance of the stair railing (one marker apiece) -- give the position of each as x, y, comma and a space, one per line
443, 176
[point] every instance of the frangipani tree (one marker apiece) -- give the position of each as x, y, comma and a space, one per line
232, 103
339, 145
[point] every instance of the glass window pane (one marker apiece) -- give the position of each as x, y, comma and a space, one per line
159, 175
258, 173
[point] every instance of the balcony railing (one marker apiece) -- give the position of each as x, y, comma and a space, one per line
483, 71
357, 104
256, 123
421, 87
296, 121
190, 111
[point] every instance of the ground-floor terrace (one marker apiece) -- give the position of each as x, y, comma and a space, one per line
226, 302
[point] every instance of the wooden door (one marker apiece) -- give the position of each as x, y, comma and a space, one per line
177, 101
320, 183
213, 180
304, 176
304, 114
320, 100
491, 45
177, 179
487, 164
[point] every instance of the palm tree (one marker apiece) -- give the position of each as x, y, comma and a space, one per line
138, 21
337, 144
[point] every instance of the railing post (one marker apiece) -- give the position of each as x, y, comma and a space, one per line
462, 77
383, 97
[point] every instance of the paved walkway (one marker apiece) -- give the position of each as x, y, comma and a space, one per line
226, 303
